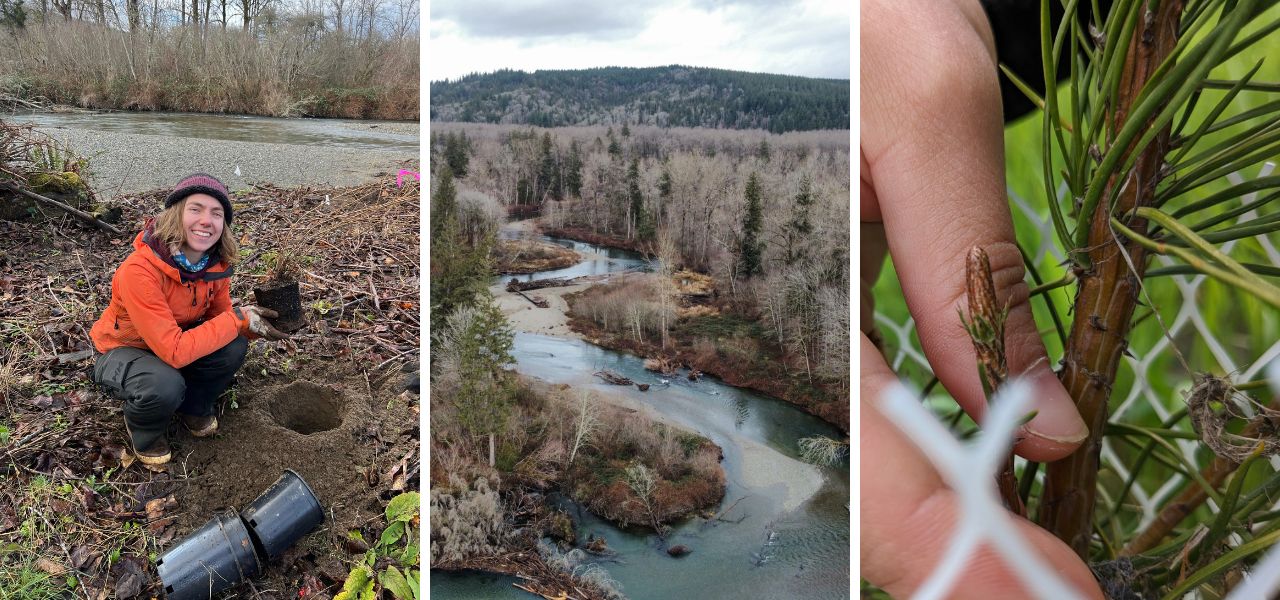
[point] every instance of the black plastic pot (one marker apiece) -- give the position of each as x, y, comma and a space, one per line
283, 514
284, 298
210, 560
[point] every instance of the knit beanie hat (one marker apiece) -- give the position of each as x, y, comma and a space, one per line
201, 183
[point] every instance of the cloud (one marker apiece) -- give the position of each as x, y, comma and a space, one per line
542, 18
796, 37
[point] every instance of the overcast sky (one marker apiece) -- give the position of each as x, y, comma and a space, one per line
792, 37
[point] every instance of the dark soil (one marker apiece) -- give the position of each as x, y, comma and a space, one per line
340, 438
282, 297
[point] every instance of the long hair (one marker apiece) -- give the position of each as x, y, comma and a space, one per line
169, 230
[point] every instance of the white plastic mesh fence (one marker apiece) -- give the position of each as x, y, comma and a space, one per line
1146, 363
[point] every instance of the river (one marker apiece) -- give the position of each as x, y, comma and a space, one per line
793, 537
333, 133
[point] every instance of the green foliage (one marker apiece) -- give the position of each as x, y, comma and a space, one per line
614, 149
751, 248
359, 585
641, 222
401, 513
459, 269
457, 154
400, 587
550, 183
799, 226
661, 96
12, 14
403, 508
481, 346
1215, 127
573, 170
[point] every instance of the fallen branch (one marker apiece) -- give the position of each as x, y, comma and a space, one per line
537, 301
84, 216
612, 377
523, 286
722, 513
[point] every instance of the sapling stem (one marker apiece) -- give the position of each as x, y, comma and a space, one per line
986, 329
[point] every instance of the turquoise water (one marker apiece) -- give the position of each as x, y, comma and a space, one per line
776, 547
597, 260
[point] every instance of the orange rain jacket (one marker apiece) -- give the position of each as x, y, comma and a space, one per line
153, 308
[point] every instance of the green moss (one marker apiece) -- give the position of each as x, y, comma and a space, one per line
62, 183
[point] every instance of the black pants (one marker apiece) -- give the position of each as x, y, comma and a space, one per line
152, 390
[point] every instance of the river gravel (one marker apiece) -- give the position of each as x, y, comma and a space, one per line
123, 163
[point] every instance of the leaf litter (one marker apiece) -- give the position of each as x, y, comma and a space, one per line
91, 520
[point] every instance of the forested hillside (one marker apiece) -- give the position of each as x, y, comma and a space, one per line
672, 96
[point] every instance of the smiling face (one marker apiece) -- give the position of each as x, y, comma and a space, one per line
202, 223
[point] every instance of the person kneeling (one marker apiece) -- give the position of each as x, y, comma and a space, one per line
170, 339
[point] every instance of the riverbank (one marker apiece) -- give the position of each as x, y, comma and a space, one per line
521, 257
728, 346
765, 467
126, 163
737, 359
583, 234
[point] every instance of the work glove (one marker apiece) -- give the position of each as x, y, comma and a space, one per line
256, 317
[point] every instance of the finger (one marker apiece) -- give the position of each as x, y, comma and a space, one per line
275, 334
934, 159
908, 515
268, 313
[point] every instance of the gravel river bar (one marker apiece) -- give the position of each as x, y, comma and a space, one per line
124, 163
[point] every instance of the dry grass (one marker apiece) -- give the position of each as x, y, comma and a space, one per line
686, 465
630, 308
528, 256
288, 71
692, 283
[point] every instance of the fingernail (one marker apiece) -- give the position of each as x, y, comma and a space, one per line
1056, 419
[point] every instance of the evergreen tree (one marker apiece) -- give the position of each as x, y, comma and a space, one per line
614, 149
482, 344
13, 14
573, 170
636, 220
752, 248
762, 152
798, 225
626, 131
549, 183
456, 154
459, 270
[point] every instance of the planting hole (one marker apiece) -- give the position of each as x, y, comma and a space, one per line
307, 408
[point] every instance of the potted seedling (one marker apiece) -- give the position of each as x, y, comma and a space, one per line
279, 292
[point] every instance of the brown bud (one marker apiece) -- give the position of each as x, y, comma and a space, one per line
986, 319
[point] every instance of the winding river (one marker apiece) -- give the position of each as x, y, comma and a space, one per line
786, 537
